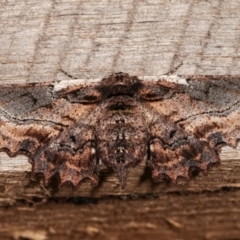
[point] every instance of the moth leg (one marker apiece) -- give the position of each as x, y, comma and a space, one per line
175, 154
71, 155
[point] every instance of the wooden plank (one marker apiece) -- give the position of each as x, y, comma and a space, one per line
79, 38
90, 39
15, 181
93, 39
179, 215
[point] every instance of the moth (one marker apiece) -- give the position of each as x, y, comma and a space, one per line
177, 124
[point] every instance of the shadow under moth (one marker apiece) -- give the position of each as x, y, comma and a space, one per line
177, 124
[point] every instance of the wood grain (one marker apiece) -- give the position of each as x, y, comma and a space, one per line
15, 183
172, 216
93, 39
90, 39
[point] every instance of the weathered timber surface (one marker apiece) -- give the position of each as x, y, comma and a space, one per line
95, 38
15, 183
90, 39
206, 216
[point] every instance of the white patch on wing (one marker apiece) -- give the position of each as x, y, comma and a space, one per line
65, 83
167, 78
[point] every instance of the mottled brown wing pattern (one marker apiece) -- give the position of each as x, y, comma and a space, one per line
199, 116
178, 124
33, 116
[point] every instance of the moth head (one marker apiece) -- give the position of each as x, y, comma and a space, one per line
121, 84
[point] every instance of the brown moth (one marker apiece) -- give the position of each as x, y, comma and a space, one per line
178, 124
